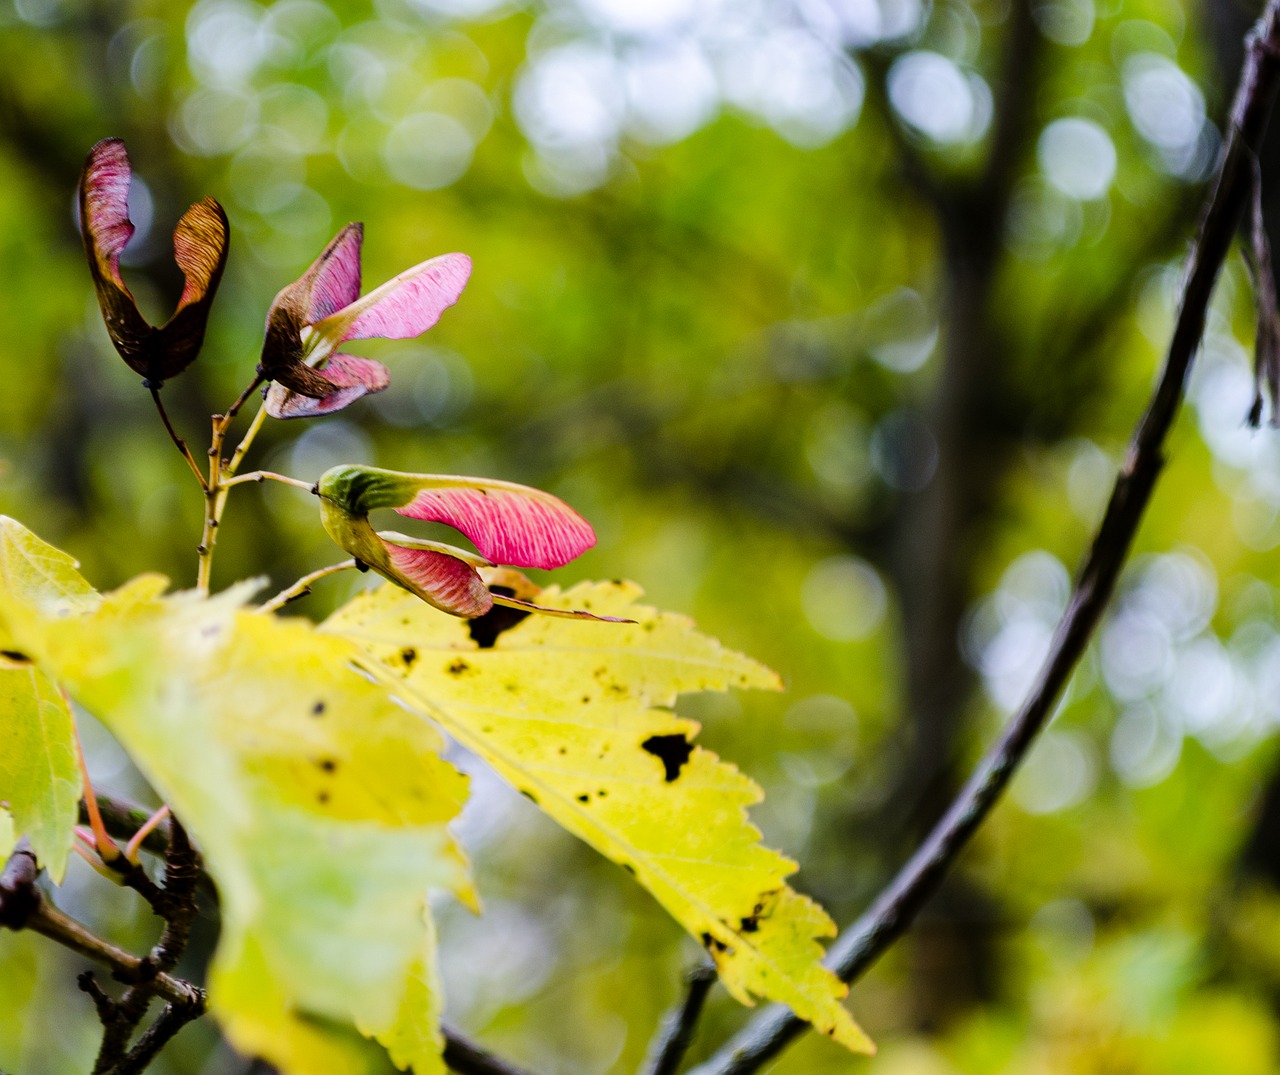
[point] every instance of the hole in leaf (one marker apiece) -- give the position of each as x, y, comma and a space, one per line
672, 750
484, 630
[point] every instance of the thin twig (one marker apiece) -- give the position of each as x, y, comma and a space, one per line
467, 1058
268, 475
303, 586
234, 409
220, 470
125, 967
676, 1034
250, 434
173, 436
154, 1038
895, 908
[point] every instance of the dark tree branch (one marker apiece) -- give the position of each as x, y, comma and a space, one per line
19, 896
23, 906
467, 1058
52, 923
894, 910
681, 1023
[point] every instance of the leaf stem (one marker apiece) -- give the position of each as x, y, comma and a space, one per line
303, 586
177, 440
894, 910
106, 848
268, 475
144, 830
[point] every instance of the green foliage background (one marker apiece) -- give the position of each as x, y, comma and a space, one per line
849, 394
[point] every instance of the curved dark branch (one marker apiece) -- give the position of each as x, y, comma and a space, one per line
467, 1058
896, 907
677, 1031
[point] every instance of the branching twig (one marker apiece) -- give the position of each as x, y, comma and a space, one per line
52, 923
23, 906
896, 907
677, 1031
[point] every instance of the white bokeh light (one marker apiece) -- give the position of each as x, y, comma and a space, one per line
804, 90
1078, 157
939, 100
671, 92
570, 96
646, 17
1166, 108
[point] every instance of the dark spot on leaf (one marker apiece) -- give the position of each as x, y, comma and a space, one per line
629, 868
750, 924
529, 795
327, 765
648, 625
584, 798
317, 710
408, 655
322, 797
459, 667
603, 792
487, 729
711, 944
564, 750
586, 699
14, 655
512, 687
484, 630
672, 750
600, 672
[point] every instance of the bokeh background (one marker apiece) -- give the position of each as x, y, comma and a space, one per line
833, 316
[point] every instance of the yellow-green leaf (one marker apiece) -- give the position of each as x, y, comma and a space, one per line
39, 777
38, 576
8, 837
319, 804
567, 712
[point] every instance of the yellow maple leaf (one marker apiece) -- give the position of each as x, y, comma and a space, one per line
568, 713
320, 807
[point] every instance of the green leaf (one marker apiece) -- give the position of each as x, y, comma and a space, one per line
39, 777
567, 712
8, 835
319, 805
38, 576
